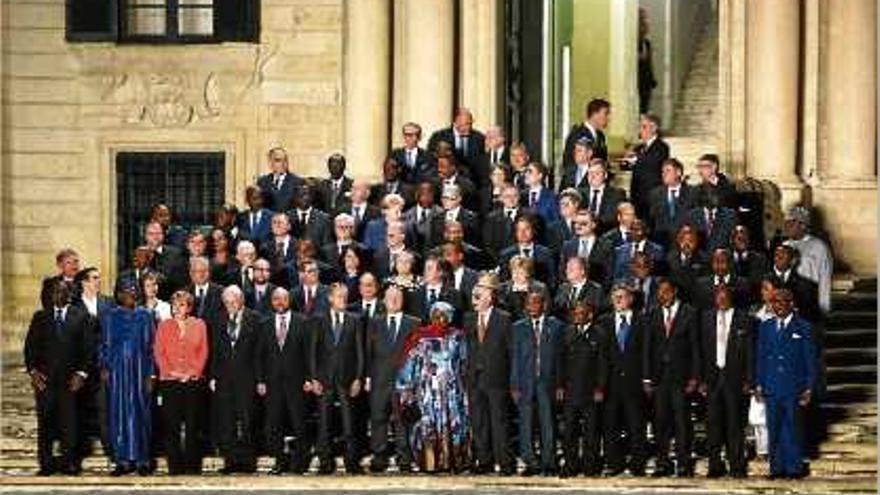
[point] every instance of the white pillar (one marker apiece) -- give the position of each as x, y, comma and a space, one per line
367, 82
423, 64
480, 58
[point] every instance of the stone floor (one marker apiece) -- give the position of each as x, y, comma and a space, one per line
842, 468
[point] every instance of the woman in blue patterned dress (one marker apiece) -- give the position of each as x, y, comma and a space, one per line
431, 393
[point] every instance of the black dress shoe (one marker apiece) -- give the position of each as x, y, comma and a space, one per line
615, 471
120, 470
530, 471
481, 469
71, 470
549, 472
378, 465
144, 470
327, 467
509, 471
662, 471
405, 467
45, 471
353, 469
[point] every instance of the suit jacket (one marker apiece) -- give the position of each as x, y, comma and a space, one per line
262, 230
719, 235
384, 351
596, 259
325, 199
645, 294
664, 221
725, 190
471, 224
684, 273
482, 166
646, 172
739, 355
406, 190
262, 305
172, 264
329, 254
424, 168
584, 363
704, 296
236, 365
318, 305
532, 367
416, 303
357, 308
59, 354
469, 279
610, 199
319, 228
792, 346
751, 265
369, 212
489, 361
589, 291
498, 232
579, 131
279, 199
569, 179
285, 364
625, 367
546, 208
283, 264
467, 159
675, 356
333, 362
209, 307
623, 255
544, 263
557, 234
428, 233
806, 297
514, 302
466, 186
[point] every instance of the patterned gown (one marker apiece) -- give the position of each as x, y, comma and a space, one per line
433, 402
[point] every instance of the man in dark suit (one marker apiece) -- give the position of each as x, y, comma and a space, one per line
449, 175
637, 243
713, 221
141, 261
344, 230
425, 219
722, 274
461, 277
386, 335
649, 157
235, 378
686, 263
669, 203
392, 183
601, 198
584, 377
496, 154
643, 280
498, 226
435, 287
279, 185
671, 373
726, 342
576, 176
309, 297
534, 380
358, 206
453, 211
468, 143
207, 295
385, 257
255, 223
585, 244
542, 257
711, 179
370, 304
538, 198
577, 287
285, 357
559, 232
58, 352
805, 291
415, 161
167, 260
280, 250
308, 222
592, 129
259, 296
488, 330
748, 263
610, 240
624, 406
336, 371
330, 192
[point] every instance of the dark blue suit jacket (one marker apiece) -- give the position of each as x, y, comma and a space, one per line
279, 199
547, 207
786, 363
544, 263
623, 257
262, 229
719, 237
523, 375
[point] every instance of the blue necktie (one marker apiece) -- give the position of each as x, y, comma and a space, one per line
59, 320
622, 333
670, 204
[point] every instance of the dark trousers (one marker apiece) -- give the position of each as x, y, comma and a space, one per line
234, 427
542, 399
181, 408
382, 415
672, 417
623, 415
785, 440
57, 419
488, 407
285, 416
581, 436
324, 448
725, 424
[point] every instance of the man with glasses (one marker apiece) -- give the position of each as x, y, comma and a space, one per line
414, 160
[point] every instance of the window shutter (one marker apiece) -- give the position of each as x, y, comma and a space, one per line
92, 20
237, 20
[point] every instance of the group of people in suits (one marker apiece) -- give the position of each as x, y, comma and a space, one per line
283, 328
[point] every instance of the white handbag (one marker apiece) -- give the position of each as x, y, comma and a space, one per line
757, 412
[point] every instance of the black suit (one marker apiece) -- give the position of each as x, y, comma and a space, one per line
315, 305
684, 272
172, 264
566, 295
752, 265
417, 301
261, 303
425, 229
664, 218
279, 199
624, 403
470, 223
285, 368
423, 169
672, 358
327, 198
596, 259
514, 302
368, 212
498, 232
406, 190
704, 296
209, 308
646, 173
383, 356
281, 259
605, 211
584, 370
488, 379
542, 257
58, 352
468, 155
580, 131
236, 368
319, 228
725, 387
336, 360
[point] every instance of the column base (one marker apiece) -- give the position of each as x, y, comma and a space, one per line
847, 211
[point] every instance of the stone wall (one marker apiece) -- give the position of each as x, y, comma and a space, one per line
69, 107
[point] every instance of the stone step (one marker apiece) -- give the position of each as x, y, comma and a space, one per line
850, 356
850, 337
850, 393
854, 301
852, 318
861, 374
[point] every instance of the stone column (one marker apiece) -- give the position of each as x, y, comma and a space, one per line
367, 84
424, 51
847, 193
772, 69
480, 56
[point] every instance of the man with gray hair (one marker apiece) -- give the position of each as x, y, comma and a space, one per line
245, 255
207, 294
814, 257
235, 375
454, 212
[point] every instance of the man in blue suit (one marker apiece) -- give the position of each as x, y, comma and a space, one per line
638, 243
280, 185
786, 372
713, 221
255, 223
539, 198
534, 380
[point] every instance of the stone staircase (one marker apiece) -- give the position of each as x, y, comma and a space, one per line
693, 130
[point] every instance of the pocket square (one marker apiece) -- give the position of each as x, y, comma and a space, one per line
796, 336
